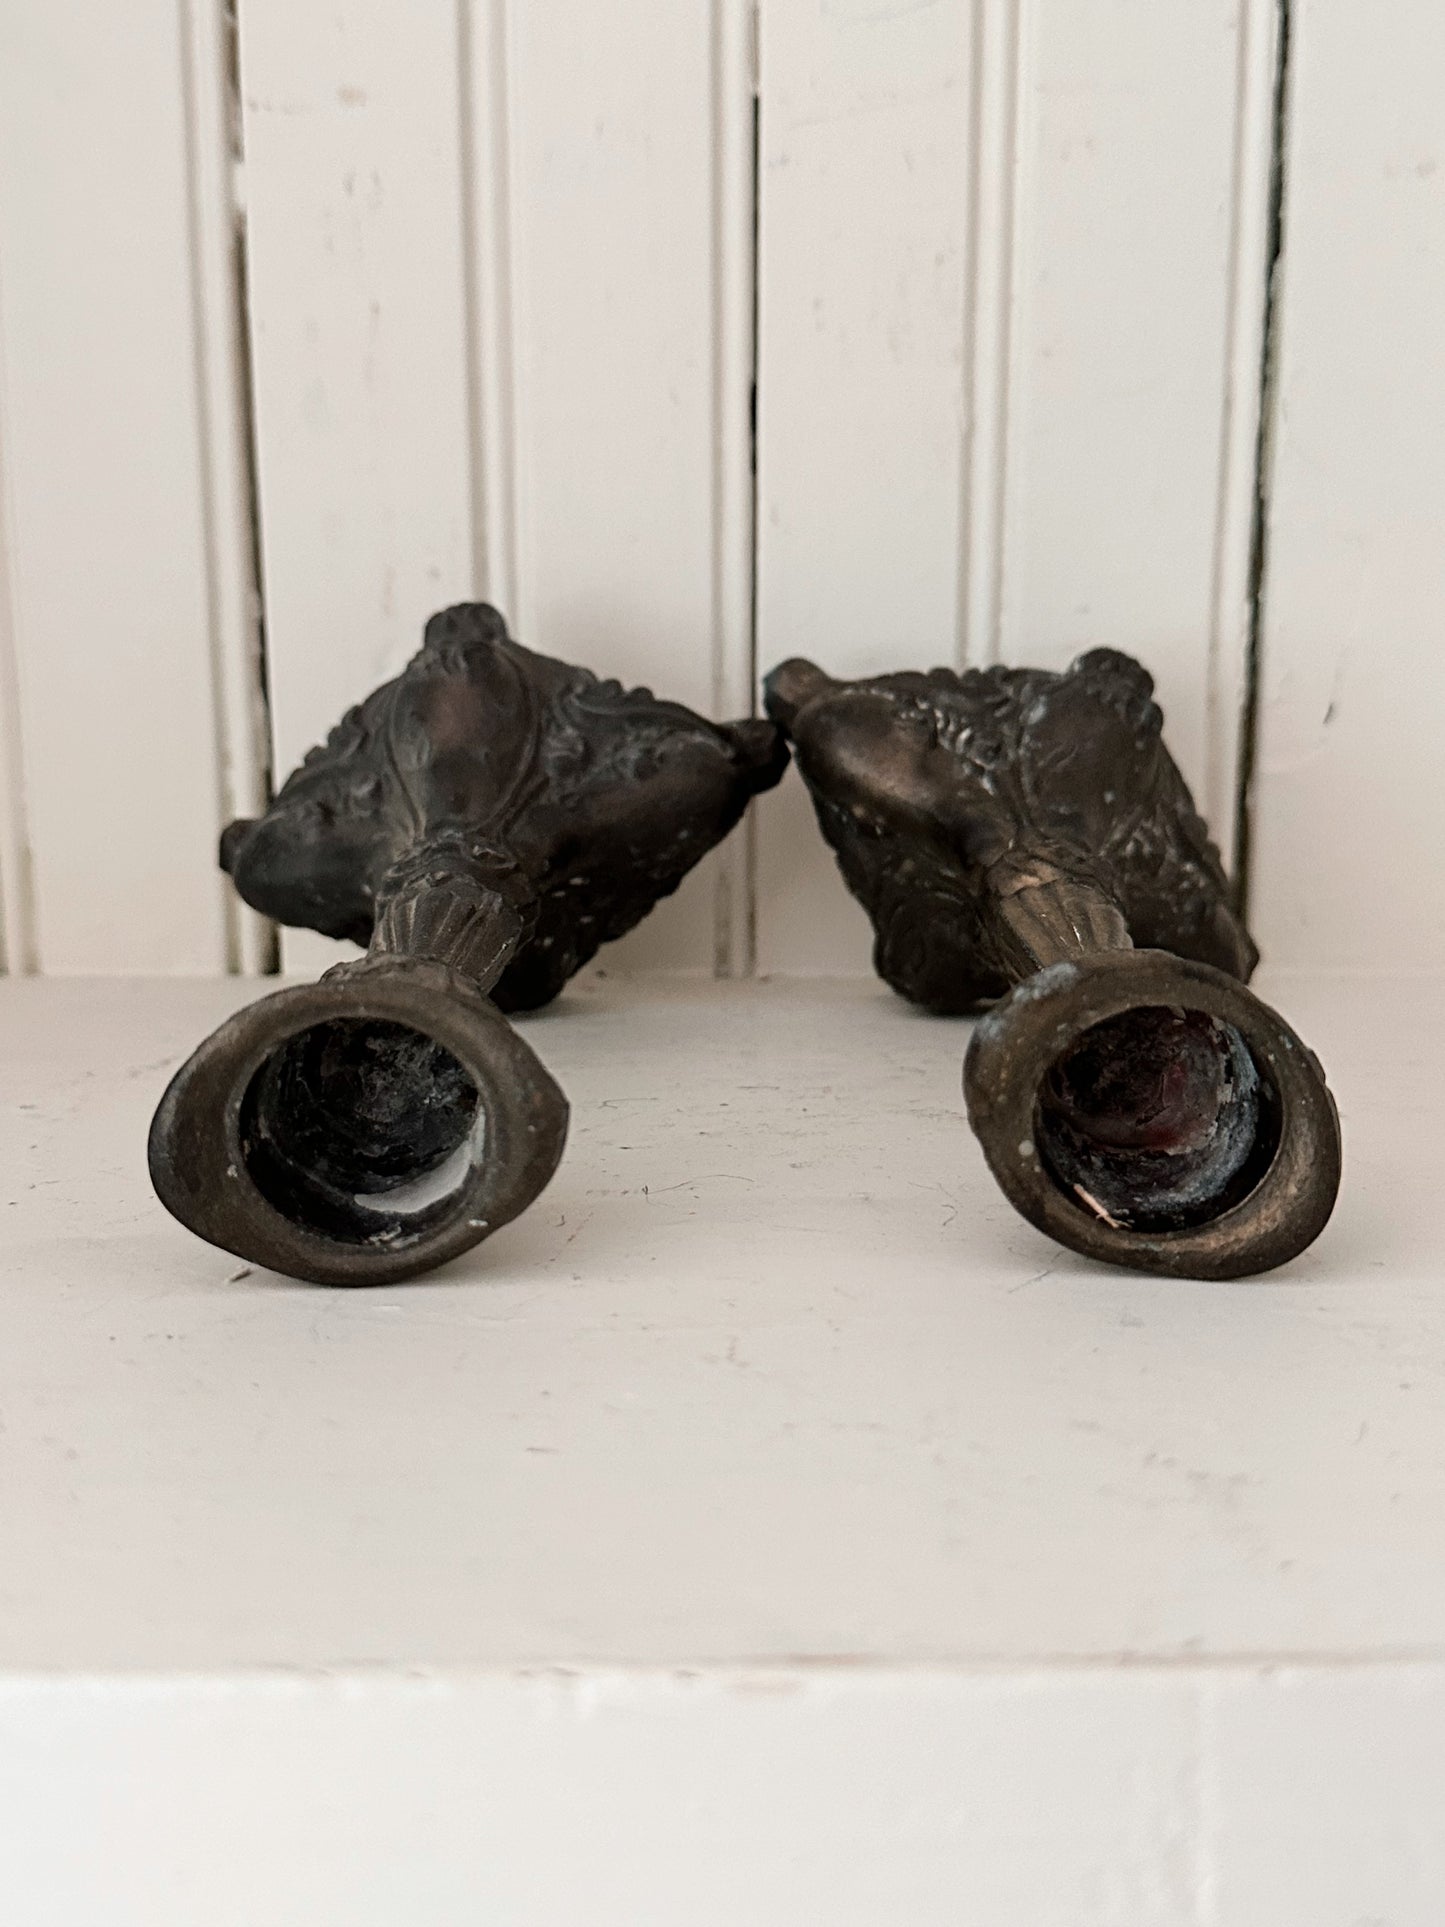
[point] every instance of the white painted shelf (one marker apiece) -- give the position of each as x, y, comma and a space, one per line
769, 1529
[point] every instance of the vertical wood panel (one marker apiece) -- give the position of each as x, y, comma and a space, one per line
355, 226
17, 902
1229, 692
734, 501
1011, 260
865, 186
988, 326
486, 160
101, 429
227, 484
498, 338
629, 164
1348, 819
1121, 349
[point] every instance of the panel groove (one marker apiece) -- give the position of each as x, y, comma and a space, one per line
358, 317
735, 209
1203, 1837
111, 671
988, 312
17, 897
488, 269
869, 157
1263, 448
1248, 270
628, 164
236, 616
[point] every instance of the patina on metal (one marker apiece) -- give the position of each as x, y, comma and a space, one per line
1026, 847
482, 823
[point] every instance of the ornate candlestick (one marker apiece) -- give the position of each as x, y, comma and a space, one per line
1014, 835
483, 823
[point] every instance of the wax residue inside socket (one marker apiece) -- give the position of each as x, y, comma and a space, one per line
361, 1129
1156, 1120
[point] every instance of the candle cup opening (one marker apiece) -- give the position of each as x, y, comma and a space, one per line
361, 1130
1157, 1119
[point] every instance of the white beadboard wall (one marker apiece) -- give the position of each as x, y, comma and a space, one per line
312, 321
1348, 822
119, 758
1013, 268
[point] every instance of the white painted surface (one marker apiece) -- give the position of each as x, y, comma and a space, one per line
112, 781
1128, 154
630, 180
864, 170
770, 1526
1229, 673
865, 156
1012, 283
354, 213
735, 694
1349, 820
502, 329
772, 1260
843, 1797
17, 904
213, 111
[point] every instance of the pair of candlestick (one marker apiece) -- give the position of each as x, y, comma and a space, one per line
1022, 841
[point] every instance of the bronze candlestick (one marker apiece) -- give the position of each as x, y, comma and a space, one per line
1024, 844
483, 823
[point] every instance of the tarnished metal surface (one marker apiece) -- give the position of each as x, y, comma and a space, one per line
1024, 840
484, 823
